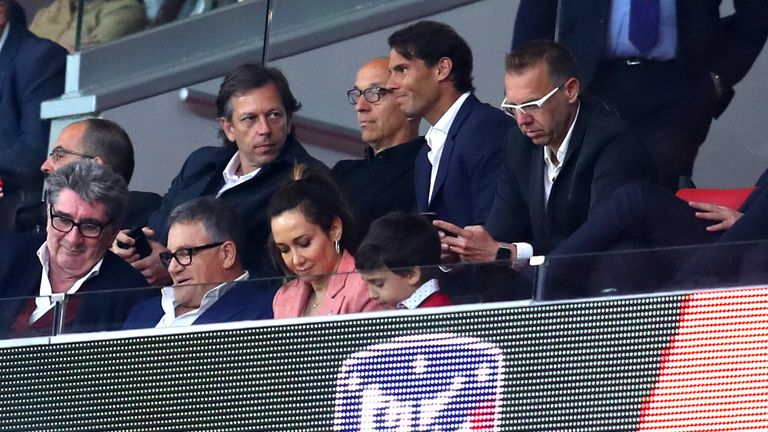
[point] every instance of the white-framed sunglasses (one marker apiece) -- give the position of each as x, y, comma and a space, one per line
529, 108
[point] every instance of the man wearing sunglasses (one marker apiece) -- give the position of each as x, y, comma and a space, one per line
383, 181
209, 283
86, 206
105, 142
567, 154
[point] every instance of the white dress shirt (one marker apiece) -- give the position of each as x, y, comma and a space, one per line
436, 136
168, 302
43, 303
231, 179
417, 298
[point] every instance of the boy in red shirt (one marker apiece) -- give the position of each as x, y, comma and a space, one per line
399, 260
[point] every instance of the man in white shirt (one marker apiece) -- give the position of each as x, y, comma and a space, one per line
456, 173
567, 154
209, 282
86, 206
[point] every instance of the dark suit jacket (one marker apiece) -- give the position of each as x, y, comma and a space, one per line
20, 273
247, 300
706, 42
31, 71
201, 175
602, 155
469, 165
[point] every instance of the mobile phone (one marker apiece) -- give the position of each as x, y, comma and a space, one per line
142, 244
431, 216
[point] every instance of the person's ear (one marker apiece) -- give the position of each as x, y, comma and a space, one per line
228, 254
336, 229
414, 277
227, 127
444, 67
571, 89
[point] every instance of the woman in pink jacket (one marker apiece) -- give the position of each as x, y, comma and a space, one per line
313, 238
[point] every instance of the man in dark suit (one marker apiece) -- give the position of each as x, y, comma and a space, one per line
383, 181
210, 284
456, 173
255, 108
667, 68
86, 205
105, 142
567, 155
31, 71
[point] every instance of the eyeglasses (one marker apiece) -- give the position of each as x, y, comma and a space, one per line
183, 256
65, 225
58, 152
371, 94
529, 108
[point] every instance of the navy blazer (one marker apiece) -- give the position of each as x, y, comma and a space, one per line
100, 307
31, 71
201, 175
247, 300
728, 46
469, 165
602, 155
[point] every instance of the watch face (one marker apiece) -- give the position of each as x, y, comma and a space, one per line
503, 253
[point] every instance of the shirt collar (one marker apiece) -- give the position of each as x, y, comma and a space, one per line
4, 35
230, 171
444, 124
44, 256
417, 298
562, 151
168, 300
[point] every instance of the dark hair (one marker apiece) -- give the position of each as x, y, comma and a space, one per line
219, 221
107, 140
561, 65
399, 242
247, 77
316, 195
94, 183
430, 41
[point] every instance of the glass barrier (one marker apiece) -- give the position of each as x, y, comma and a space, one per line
653, 271
26, 317
255, 299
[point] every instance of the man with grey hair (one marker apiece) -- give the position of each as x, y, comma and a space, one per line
86, 206
31, 71
203, 258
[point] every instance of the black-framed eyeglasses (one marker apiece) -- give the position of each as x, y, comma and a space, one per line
532, 108
371, 94
65, 225
58, 152
183, 256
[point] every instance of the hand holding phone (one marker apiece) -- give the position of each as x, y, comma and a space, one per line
143, 249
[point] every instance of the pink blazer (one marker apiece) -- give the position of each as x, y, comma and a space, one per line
347, 293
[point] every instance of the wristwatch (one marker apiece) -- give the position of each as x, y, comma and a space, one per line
504, 252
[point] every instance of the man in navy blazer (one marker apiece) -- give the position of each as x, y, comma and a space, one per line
86, 205
210, 284
670, 91
255, 106
456, 173
568, 154
31, 71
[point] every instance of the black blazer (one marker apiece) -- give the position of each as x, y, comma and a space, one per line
727, 46
201, 175
469, 165
602, 155
31, 71
20, 273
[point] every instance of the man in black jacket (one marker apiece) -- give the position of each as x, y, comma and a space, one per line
255, 108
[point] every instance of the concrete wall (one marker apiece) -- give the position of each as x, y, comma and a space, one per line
165, 131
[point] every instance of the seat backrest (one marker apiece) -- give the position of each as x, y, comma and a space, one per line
732, 198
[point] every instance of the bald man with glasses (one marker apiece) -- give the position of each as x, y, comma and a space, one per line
566, 154
210, 284
382, 181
